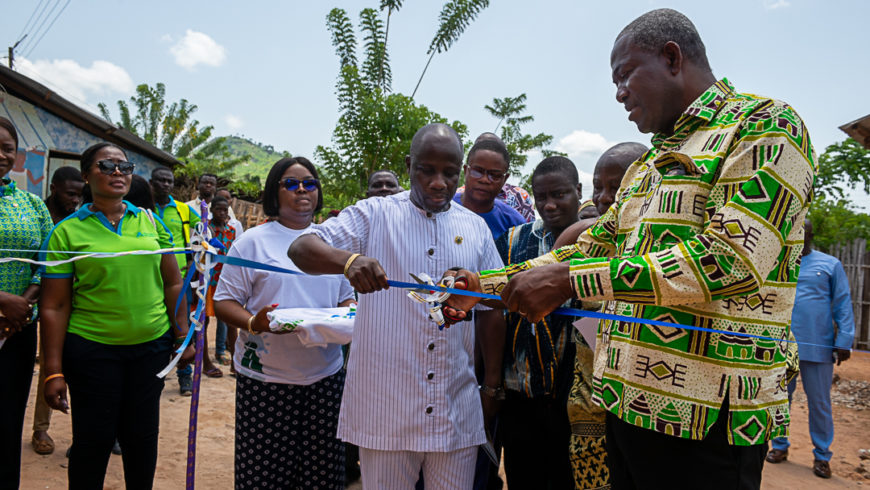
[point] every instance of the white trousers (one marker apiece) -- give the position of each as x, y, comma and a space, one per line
400, 470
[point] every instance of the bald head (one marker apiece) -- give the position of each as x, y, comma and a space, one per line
622, 155
437, 135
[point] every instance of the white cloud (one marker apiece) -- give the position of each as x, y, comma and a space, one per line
775, 4
76, 81
196, 48
582, 144
233, 122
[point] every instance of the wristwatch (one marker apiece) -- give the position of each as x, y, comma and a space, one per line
496, 393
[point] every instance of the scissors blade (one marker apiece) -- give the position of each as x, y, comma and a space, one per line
420, 281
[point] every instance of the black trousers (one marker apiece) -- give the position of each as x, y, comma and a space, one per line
535, 433
642, 458
114, 393
16, 372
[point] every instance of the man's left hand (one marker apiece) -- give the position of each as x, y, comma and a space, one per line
538, 291
843, 355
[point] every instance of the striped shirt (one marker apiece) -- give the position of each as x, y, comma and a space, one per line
706, 231
409, 385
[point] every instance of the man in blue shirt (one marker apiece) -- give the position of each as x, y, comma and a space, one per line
822, 298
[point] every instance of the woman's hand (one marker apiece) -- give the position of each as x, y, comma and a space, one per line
7, 329
55, 394
260, 323
16, 309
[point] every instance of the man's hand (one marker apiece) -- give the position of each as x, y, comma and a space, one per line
538, 291
456, 307
491, 406
366, 275
842, 355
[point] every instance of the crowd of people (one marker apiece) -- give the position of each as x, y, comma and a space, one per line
705, 228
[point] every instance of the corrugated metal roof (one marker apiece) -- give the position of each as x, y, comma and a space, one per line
39, 95
859, 130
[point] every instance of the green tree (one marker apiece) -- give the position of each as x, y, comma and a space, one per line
455, 17
510, 112
375, 126
836, 220
172, 128
846, 162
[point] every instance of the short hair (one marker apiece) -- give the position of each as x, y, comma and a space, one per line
8, 126
220, 200
382, 171
488, 136
140, 193
224, 189
162, 169
557, 164
207, 175
491, 145
273, 183
629, 152
66, 174
652, 30
89, 154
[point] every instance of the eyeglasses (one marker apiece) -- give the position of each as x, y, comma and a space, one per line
109, 167
478, 173
309, 185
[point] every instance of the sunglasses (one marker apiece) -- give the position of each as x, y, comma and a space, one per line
309, 185
478, 173
109, 167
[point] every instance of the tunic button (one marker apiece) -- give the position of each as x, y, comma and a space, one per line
431, 346
430, 375
431, 251
428, 214
428, 410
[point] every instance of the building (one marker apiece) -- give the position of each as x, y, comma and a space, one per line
53, 132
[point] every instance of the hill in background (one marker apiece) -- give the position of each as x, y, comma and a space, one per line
261, 157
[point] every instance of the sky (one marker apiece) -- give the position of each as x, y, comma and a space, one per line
267, 69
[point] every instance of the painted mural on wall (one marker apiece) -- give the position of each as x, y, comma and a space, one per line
39, 132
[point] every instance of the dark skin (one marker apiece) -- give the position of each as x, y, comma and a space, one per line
655, 87
842, 354
207, 186
434, 166
56, 302
16, 309
65, 197
480, 192
606, 180
383, 184
295, 211
162, 182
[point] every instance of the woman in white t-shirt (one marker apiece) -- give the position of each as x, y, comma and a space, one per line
287, 395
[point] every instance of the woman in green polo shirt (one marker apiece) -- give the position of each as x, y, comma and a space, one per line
105, 324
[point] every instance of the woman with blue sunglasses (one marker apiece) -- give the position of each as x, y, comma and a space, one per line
287, 395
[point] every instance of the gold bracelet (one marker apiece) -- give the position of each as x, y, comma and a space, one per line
349, 261
51, 377
250, 320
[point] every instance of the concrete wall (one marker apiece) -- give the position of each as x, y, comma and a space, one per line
39, 132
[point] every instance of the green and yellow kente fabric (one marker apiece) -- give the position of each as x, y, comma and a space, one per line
707, 230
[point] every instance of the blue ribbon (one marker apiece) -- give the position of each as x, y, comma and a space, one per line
558, 311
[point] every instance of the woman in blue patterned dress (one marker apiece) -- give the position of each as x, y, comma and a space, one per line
24, 224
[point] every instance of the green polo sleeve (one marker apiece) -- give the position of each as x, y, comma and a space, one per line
57, 241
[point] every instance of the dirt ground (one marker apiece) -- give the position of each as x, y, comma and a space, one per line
214, 468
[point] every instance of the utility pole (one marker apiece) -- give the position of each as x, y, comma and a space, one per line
12, 51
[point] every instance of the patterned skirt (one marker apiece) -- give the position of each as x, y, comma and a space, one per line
586, 450
285, 434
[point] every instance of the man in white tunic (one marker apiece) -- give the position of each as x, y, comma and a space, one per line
410, 400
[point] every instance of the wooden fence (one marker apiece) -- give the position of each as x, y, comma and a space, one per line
856, 262
249, 213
